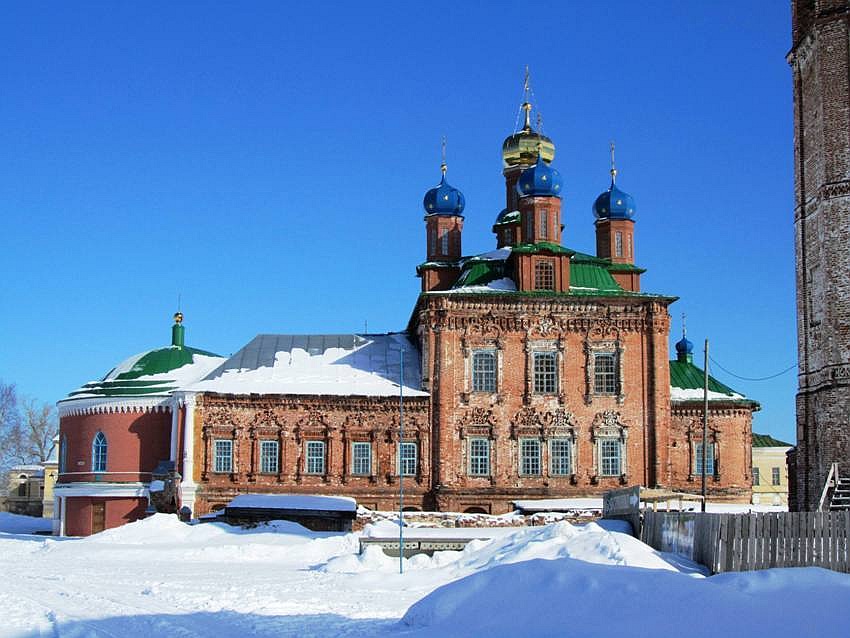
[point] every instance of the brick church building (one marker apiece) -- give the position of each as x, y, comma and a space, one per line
530, 371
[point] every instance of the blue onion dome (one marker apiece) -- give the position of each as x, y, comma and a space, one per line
444, 199
614, 204
540, 180
683, 346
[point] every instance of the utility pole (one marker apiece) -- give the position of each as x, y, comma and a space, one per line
704, 422
400, 462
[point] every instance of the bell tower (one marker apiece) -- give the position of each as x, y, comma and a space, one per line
820, 66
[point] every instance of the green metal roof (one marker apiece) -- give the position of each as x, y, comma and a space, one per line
480, 273
590, 276
765, 440
685, 375
540, 247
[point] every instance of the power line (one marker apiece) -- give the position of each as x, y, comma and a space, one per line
738, 376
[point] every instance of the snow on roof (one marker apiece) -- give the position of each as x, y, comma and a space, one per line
559, 504
294, 502
342, 365
684, 394
505, 284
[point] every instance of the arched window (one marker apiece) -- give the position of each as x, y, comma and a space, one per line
98, 453
63, 454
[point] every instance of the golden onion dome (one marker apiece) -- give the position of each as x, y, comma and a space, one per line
521, 147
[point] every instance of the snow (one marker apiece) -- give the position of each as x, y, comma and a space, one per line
295, 502
505, 284
370, 368
18, 524
559, 504
162, 577
684, 394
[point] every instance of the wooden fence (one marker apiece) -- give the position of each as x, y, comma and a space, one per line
742, 542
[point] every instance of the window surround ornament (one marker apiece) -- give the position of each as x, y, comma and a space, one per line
608, 426
313, 427
217, 429
357, 429
266, 426
483, 335
555, 346
478, 423
591, 349
414, 432
695, 437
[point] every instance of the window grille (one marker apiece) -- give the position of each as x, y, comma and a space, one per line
444, 241
315, 457
223, 456
775, 475
544, 224
479, 457
407, 459
545, 372
361, 458
544, 275
269, 457
483, 371
610, 457
709, 459
98, 453
618, 244
606, 375
560, 457
529, 457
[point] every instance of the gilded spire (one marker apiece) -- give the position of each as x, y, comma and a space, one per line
614, 169
526, 103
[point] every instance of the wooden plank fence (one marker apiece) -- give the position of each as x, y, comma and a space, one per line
743, 542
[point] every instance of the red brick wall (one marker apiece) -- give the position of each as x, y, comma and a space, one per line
137, 441
730, 431
292, 421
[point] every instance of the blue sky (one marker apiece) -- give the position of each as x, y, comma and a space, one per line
267, 161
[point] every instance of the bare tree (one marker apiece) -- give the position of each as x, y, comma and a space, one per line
27, 429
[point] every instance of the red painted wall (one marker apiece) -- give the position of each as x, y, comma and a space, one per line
78, 513
137, 442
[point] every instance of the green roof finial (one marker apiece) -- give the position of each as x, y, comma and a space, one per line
178, 332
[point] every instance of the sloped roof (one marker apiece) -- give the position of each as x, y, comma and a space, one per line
765, 440
687, 381
345, 365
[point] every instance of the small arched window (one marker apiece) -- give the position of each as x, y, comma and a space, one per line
98, 453
63, 454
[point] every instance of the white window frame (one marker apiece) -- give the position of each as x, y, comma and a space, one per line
606, 375
605, 469
314, 457
544, 223
618, 244
567, 444
709, 459
223, 461
540, 354
357, 461
756, 476
444, 241
99, 452
269, 456
533, 459
775, 476
479, 460
477, 385
408, 465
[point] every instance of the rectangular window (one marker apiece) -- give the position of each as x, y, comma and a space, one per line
529, 457
315, 457
407, 459
544, 224
618, 244
605, 373
560, 459
544, 275
361, 458
756, 477
529, 223
483, 371
545, 372
775, 475
509, 236
610, 457
479, 457
432, 240
709, 459
444, 241
223, 456
269, 457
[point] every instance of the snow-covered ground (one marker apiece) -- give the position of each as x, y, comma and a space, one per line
159, 577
